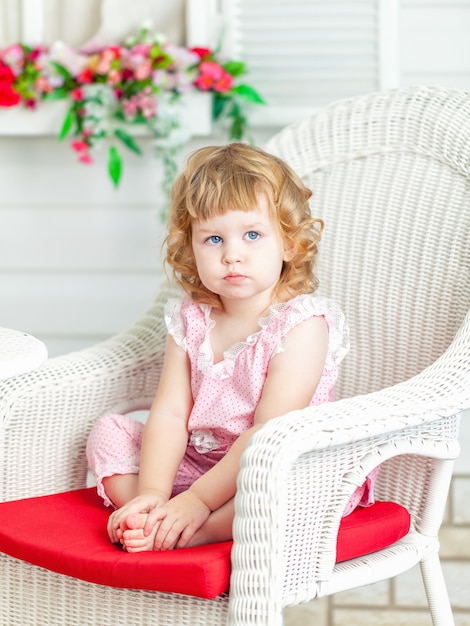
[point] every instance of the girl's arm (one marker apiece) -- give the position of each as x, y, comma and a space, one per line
165, 437
293, 376
165, 434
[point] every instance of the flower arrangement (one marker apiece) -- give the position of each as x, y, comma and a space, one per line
113, 90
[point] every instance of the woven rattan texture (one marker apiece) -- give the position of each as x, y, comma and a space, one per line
390, 178
390, 175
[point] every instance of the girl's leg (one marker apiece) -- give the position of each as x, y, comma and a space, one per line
113, 453
219, 526
120, 488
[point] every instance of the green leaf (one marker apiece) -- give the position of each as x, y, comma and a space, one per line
248, 93
163, 59
238, 126
58, 94
237, 129
67, 124
127, 140
235, 68
114, 165
63, 71
218, 105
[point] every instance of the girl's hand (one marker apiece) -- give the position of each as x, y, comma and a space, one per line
184, 515
149, 502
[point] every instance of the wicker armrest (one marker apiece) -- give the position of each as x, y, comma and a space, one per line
299, 471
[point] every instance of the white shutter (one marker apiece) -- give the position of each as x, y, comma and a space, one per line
32, 27
303, 54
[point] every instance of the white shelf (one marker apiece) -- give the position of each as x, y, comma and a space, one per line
48, 118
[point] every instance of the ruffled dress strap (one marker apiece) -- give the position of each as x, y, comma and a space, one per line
174, 321
303, 307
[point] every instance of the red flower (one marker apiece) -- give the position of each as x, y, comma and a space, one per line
6, 74
36, 53
85, 77
8, 96
127, 74
202, 53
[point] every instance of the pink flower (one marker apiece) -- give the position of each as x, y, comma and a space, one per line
77, 94
212, 70
103, 66
148, 107
85, 157
80, 146
204, 82
82, 150
75, 62
129, 107
14, 57
143, 70
144, 102
162, 79
213, 76
107, 59
225, 83
114, 77
142, 49
43, 85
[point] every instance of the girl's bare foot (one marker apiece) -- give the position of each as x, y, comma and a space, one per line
133, 538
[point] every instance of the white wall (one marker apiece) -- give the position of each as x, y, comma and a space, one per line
79, 260
435, 42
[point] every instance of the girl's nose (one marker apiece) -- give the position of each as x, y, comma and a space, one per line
231, 255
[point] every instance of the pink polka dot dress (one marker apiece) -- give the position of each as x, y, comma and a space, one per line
225, 393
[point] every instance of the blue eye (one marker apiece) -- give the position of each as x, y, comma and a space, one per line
214, 239
252, 235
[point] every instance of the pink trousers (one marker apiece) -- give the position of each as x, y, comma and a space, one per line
113, 447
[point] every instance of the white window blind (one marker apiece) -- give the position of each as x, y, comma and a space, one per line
303, 54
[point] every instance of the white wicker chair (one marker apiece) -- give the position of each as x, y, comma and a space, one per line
390, 174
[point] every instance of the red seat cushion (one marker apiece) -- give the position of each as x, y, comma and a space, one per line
66, 533
370, 529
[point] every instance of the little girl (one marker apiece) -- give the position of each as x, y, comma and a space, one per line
248, 343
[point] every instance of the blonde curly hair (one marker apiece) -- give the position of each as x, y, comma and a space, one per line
218, 179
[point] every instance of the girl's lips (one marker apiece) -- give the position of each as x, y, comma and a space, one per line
234, 278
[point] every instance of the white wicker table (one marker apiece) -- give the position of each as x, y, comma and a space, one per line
19, 353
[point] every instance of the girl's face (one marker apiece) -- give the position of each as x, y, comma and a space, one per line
239, 255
